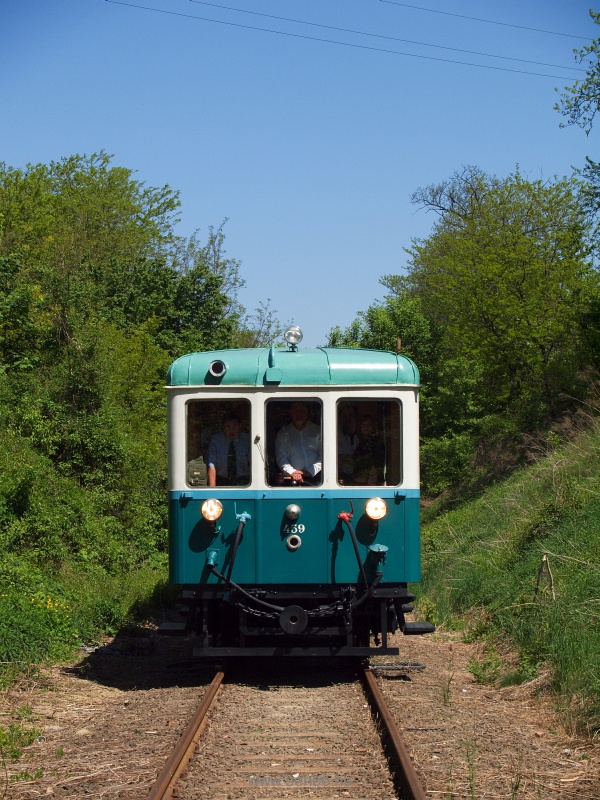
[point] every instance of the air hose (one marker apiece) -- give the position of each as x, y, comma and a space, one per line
227, 579
368, 593
345, 516
234, 549
229, 582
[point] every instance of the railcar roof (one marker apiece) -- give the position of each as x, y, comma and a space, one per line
319, 366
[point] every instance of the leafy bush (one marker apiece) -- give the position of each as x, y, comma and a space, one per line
35, 628
36, 619
445, 462
46, 617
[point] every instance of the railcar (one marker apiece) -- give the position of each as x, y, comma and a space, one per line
278, 560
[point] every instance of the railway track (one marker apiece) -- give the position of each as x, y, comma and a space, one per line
291, 736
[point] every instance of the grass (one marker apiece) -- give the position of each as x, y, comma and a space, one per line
522, 563
14, 738
447, 683
46, 617
471, 754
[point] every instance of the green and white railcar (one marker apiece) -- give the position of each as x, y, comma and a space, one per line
317, 565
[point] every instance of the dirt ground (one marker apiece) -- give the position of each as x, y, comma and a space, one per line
108, 721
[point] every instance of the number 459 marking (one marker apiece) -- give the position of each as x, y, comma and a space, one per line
294, 528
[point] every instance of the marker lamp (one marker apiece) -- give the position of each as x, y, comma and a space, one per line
293, 335
376, 508
211, 509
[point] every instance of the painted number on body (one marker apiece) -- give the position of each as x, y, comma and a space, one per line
294, 528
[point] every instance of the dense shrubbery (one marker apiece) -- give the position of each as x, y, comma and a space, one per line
36, 620
46, 613
97, 295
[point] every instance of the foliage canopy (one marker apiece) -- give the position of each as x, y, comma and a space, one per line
580, 102
98, 296
499, 307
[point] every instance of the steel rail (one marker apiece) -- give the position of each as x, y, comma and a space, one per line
408, 779
184, 749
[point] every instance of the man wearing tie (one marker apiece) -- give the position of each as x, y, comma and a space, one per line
228, 457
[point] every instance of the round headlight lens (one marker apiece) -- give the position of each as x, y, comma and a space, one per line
376, 508
293, 335
211, 509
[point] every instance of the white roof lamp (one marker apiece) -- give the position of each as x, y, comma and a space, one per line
293, 336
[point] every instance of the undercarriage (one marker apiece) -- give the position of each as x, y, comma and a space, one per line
315, 620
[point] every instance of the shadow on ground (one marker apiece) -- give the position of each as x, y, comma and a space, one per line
140, 659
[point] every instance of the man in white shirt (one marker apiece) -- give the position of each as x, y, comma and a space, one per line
298, 446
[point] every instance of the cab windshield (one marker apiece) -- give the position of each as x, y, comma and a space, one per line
294, 443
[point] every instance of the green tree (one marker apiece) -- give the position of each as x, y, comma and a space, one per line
580, 102
507, 274
399, 319
259, 329
500, 309
98, 295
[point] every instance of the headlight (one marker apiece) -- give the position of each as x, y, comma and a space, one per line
293, 335
211, 509
376, 508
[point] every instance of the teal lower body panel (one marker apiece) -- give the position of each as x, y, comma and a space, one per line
295, 573
315, 548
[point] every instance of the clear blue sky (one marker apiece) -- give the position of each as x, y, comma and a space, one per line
311, 149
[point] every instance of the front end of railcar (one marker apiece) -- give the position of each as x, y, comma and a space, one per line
277, 560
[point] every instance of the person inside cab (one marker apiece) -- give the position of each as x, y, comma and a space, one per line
369, 456
228, 457
299, 446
